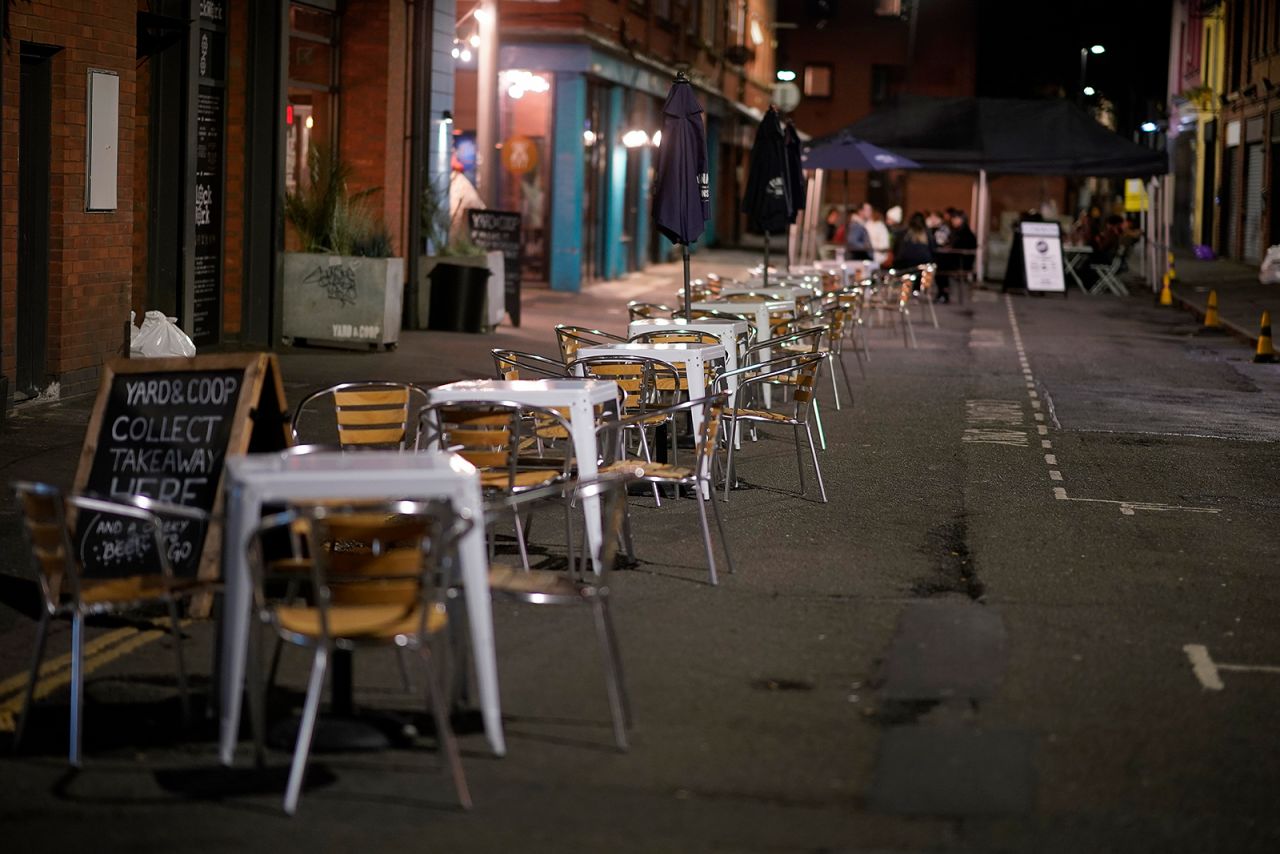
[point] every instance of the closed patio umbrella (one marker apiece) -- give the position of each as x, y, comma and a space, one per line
767, 201
682, 195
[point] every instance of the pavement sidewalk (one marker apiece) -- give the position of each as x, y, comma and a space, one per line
1241, 297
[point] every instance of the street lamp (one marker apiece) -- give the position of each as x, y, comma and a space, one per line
1084, 61
1089, 91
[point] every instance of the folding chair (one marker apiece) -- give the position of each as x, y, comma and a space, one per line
1109, 276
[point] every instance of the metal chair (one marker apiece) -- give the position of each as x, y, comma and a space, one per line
518, 365
699, 475
69, 588
498, 438
1109, 276
572, 338
579, 585
372, 569
374, 415
805, 368
637, 310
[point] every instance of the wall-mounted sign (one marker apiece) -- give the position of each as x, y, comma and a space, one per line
519, 154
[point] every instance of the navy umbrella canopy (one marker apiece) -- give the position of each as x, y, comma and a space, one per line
795, 171
682, 193
767, 201
847, 152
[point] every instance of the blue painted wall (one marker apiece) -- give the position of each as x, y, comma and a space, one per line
615, 263
567, 176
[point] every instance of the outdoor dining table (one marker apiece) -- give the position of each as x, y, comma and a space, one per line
726, 330
694, 358
761, 310
580, 397
1073, 257
256, 480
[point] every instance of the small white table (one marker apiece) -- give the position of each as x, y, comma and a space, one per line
694, 357
258, 479
579, 397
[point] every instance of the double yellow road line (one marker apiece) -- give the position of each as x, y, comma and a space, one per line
55, 673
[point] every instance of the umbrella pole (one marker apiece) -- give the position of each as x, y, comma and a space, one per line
685, 248
766, 259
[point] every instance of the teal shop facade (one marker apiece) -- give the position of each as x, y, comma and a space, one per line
591, 117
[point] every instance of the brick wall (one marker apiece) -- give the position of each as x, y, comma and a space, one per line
234, 155
91, 254
371, 128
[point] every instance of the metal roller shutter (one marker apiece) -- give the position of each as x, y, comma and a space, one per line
1252, 249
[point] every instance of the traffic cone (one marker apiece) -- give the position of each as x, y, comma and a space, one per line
1211, 312
1266, 351
1166, 295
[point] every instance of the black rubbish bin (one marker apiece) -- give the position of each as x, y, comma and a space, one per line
458, 296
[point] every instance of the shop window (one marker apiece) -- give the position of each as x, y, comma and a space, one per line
311, 112
817, 80
524, 165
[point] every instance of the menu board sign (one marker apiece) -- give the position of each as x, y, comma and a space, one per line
500, 231
1042, 256
162, 428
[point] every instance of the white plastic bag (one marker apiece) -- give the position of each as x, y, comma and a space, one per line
1269, 274
160, 336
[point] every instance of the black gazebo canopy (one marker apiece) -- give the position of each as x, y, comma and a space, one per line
1009, 136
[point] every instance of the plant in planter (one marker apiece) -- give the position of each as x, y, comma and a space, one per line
344, 287
449, 283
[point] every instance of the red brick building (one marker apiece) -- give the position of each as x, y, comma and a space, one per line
203, 116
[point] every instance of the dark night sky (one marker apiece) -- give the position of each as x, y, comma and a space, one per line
1028, 48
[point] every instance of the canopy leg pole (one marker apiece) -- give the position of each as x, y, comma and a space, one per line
766, 259
984, 201
685, 252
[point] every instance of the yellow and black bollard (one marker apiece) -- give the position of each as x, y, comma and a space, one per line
1266, 350
1166, 295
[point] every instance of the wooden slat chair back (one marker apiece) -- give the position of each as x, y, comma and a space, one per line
69, 588
371, 415
676, 336
498, 438
373, 571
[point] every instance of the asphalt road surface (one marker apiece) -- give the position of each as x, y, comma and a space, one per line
1037, 614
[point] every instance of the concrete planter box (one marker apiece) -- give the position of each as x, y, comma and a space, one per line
340, 300
495, 309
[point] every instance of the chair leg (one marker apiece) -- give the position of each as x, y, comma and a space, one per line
444, 732
724, 541
933, 312
844, 374
306, 729
822, 434
644, 446
182, 665
813, 451
706, 535
524, 553
799, 456
618, 704
77, 689
42, 635
835, 390
275, 664
728, 466
406, 681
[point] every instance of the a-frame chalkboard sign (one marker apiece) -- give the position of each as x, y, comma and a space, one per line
163, 428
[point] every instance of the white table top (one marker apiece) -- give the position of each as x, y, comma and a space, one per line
548, 392
753, 305
701, 324
330, 463
636, 348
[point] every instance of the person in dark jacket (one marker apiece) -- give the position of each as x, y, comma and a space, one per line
914, 246
857, 243
958, 261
